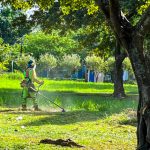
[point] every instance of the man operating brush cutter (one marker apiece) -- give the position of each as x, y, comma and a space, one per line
28, 85
46, 98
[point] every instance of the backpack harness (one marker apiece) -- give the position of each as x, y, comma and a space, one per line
27, 81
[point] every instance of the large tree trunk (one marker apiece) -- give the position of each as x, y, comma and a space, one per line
131, 39
118, 73
142, 73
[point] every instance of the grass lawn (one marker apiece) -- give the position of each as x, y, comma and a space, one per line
93, 119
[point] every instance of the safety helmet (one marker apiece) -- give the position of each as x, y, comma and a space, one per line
31, 64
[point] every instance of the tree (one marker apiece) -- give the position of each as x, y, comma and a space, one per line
23, 61
119, 91
4, 50
92, 34
130, 37
40, 43
70, 63
47, 62
13, 24
97, 64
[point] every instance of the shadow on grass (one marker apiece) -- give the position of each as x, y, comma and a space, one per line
13, 92
131, 122
58, 118
70, 117
5, 92
103, 102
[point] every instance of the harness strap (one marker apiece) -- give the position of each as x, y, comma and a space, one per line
27, 73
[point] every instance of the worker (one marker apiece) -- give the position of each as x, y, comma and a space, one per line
29, 90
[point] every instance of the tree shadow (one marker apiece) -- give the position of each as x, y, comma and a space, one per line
66, 118
5, 92
62, 118
72, 98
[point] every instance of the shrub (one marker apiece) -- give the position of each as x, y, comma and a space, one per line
14, 76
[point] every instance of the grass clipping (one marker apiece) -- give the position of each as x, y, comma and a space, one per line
61, 142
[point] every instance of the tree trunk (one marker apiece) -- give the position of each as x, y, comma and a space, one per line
118, 73
131, 39
142, 74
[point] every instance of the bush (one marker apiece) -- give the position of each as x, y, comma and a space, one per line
47, 62
23, 60
14, 76
95, 63
70, 63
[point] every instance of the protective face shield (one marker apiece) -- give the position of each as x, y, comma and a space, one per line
34, 66
31, 64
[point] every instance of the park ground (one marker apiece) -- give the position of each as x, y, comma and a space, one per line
93, 118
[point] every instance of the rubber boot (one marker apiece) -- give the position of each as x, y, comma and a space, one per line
24, 108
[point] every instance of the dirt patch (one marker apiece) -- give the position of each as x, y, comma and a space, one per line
61, 142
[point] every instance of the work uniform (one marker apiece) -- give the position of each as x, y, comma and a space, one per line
29, 90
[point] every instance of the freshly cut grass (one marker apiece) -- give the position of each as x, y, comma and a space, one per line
93, 119
92, 129
70, 94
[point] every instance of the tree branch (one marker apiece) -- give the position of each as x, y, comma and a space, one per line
116, 19
143, 26
119, 21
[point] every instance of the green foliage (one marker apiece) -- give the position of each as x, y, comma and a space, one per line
127, 65
3, 66
23, 61
47, 62
4, 56
143, 7
95, 63
13, 24
77, 4
12, 76
39, 43
70, 62
110, 64
67, 5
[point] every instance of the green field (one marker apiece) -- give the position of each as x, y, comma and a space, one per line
93, 119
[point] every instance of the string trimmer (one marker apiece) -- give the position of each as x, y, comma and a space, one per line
37, 91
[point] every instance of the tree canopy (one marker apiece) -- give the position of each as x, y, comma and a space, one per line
13, 24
